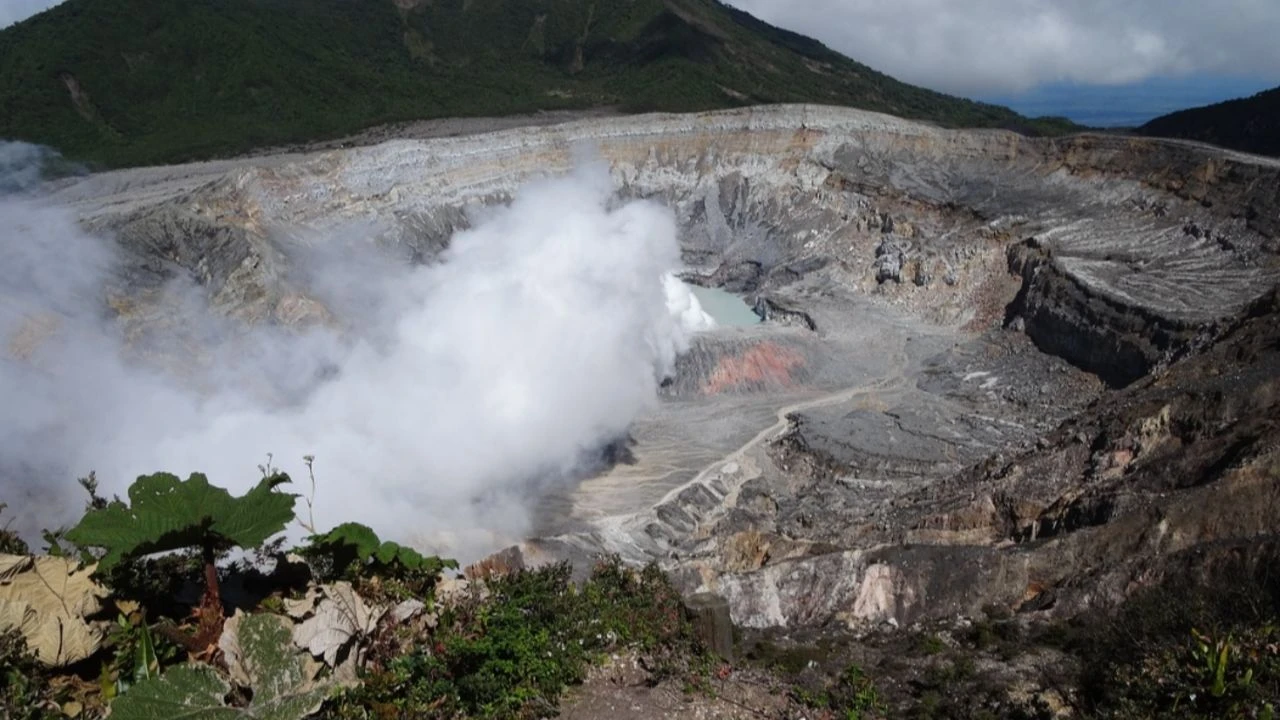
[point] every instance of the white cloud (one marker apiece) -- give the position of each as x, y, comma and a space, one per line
979, 47
11, 11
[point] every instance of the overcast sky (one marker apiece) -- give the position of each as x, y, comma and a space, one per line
983, 47
996, 47
11, 11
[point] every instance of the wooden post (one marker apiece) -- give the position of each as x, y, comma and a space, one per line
710, 615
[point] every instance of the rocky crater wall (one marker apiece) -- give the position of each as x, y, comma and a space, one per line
1136, 242
929, 461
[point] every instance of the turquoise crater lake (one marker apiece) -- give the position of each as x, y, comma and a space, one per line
725, 308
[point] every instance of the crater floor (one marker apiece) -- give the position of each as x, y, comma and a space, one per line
944, 311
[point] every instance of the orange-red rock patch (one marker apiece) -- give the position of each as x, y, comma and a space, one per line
765, 363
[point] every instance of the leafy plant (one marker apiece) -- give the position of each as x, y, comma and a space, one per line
851, 696
353, 551
281, 687
136, 657
56, 542
930, 644
90, 485
10, 543
165, 514
855, 696
24, 689
1214, 654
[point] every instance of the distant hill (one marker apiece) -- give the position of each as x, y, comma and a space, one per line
1250, 124
127, 82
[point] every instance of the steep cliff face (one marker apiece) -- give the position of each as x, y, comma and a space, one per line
1120, 307
943, 308
1067, 317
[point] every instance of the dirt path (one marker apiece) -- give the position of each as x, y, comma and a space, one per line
783, 415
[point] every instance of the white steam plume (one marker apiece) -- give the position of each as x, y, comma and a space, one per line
541, 335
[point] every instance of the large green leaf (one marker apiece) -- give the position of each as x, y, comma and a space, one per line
260, 513
185, 692
361, 538
282, 689
277, 674
165, 513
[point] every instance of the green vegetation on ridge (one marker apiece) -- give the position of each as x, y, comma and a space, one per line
1249, 124
128, 82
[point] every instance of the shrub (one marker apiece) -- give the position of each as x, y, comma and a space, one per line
512, 654
354, 552
854, 695
851, 696
1193, 647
